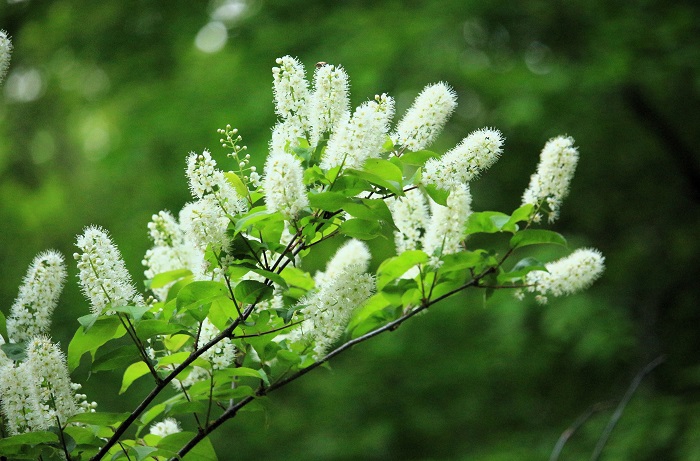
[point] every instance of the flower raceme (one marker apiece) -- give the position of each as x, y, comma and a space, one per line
283, 182
568, 275
38, 297
5, 52
102, 273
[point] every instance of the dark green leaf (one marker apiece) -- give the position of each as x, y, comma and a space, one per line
148, 328
362, 229
536, 237
439, 196
522, 268
118, 358
104, 329
134, 312
328, 201
250, 291
15, 351
392, 186
203, 451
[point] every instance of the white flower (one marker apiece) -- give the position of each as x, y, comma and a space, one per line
550, 183
411, 217
38, 296
344, 287
567, 275
103, 275
205, 224
172, 250
52, 388
361, 136
219, 356
19, 409
291, 92
329, 100
207, 180
445, 230
166, 427
474, 154
283, 182
426, 118
5, 52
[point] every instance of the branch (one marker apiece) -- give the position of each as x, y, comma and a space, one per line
391, 326
621, 406
569, 432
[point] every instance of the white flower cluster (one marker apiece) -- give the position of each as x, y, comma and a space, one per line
207, 180
411, 217
466, 161
361, 136
426, 118
171, 250
342, 288
439, 232
37, 393
330, 101
445, 231
37, 298
166, 427
568, 275
283, 182
291, 90
103, 275
550, 183
220, 356
5, 52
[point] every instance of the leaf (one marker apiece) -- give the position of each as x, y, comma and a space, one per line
236, 182
100, 418
521, 269
439, 196
488, 222
243, 371
258, 217
132, 373
362, 229
250, 291
196, 297
464, 260
104, 329
395, 267
3, 326
164, 278
535, 237
148, 328
370, 209
374, 304
28, 438
118, 358
135, 312
298, 278
417, 158
328, 201
384, 169
15, 351
392, 186
521, 214
141, 452
169, 445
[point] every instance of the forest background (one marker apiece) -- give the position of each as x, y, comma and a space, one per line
104, 100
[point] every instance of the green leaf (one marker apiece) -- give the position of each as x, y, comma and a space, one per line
243, 371
148, 328
521, 269
328, 201
87, 321
418, 158
370, 209
169, 445
118, 358
258, 217
162, 279
488, 222
104, 329
374, 304
237, 184
15, 351
100, 418
535, 237
141, 452
362, 229
464, 260
132, 373
521, 214
3, 326
392, 186
298, 278
439, 196
384, 169
395, 267
250, 291
196, 297
134, 312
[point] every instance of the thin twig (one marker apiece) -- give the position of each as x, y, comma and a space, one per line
576, 425
623, 403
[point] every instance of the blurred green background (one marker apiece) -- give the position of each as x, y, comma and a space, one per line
104, 100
